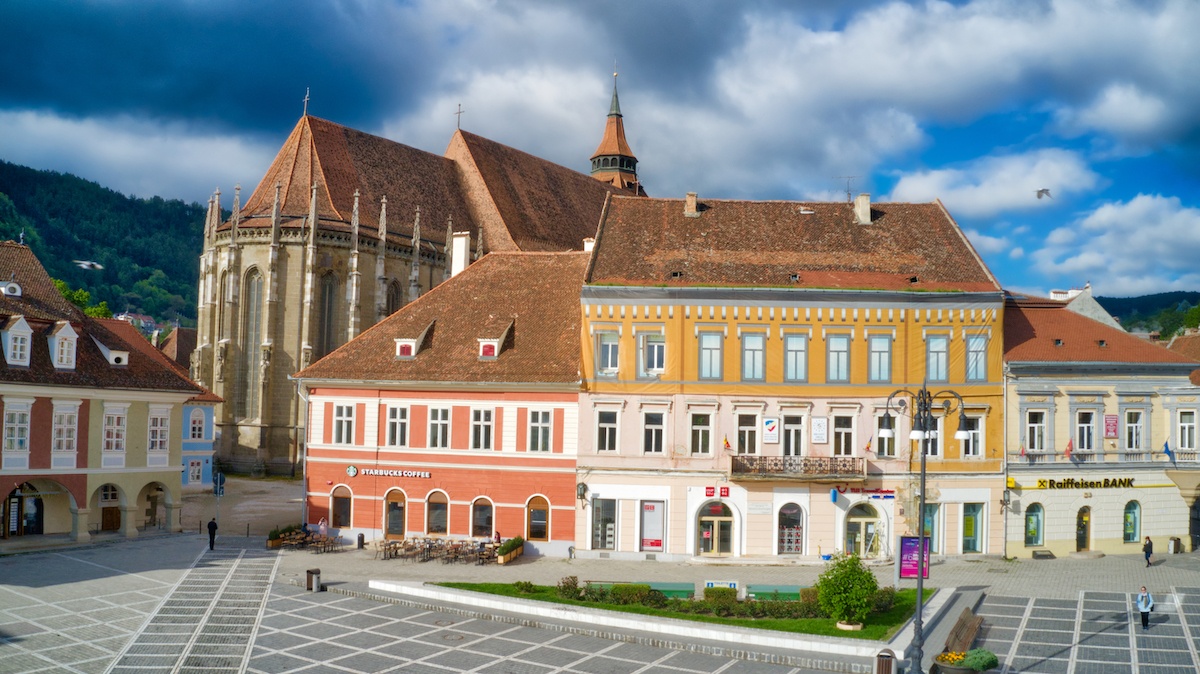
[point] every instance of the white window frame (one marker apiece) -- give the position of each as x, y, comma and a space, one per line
1035, 432
795, 358
977, 365
1133, 435
16, 425
935, 449
608, 353
396, 426
837, 358
64, 434
343, 423
879, 360
606, 431
653, 354
843, 437
754, 356
1185, 438
16, 341
793, 435
701, 436
747, 433
439, 428
195, 471
541, 428
885, 448
482, 420
158, 430
972, 446
116, 421
197, 425
654, 435
937, 361
64, 349
710, 347
1085, 433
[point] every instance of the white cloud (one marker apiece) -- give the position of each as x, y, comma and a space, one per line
987, 245
135, 156
1016, 253
992, 185
1148, 244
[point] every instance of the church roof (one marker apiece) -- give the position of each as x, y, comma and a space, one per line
528, 300
178, 345
524, 202
613, 142
906, 247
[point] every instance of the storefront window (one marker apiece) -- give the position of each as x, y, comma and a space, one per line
341, 508
1033, 524
395, 515
972, 535
931, 527
1133, 522
604, 523
481, 518
539, 519
791, 530
437, 513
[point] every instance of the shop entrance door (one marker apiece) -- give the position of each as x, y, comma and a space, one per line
862, 531
1083, 529
715, 532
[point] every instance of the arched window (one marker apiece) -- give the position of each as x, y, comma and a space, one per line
249, 374
1133, 522
481, 518
326, 316
791, 529
395, 515
538, 519
341, 508
1034, 524
196, 424
395, 297
436, 512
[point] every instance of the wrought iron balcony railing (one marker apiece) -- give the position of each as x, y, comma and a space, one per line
812, 468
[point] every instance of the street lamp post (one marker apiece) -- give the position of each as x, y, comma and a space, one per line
924, 429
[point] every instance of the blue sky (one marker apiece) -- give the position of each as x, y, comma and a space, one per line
979, 104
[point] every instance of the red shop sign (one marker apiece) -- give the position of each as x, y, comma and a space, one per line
710, 491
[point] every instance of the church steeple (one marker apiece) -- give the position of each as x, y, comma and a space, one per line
613, 162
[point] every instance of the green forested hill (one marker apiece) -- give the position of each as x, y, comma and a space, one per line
149, 247
1165, 313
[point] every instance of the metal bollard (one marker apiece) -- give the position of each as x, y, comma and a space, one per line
362, 541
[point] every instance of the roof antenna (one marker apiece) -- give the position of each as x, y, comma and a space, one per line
849, 196
306, 101
458, 122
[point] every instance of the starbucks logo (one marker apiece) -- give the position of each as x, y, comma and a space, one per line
351, 471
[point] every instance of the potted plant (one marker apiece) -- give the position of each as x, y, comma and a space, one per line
959, 662
510, 550
846, 591
274, 539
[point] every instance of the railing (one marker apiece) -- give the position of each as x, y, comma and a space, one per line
1189, 457
807, 467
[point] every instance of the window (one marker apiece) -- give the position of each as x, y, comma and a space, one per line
17, 339
1133, 522
1035, 430
481, 429
754, 347
972, 527
114, 430
64, 353
439, 427
747, 430
437, 511
791, 529
343, 424
977, 358
158, 435
972, 446
710, 355
481, 518
654, 355
395, 298
884, 447
606, 431
609, 354
539, 430
937, 349
793, 436
1133, 429
195, 472
249, 361
109, 494
933, 445
66, 428
652, 439
701, 433
604, 523
1187, 430
931, 528
327, 312
795, 358
879, 358
538, 519
196, 425
16, 427
342, 501
843, 436
397, 427
1085, 431
839, 358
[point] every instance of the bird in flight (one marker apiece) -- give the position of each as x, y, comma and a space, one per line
88, 264
1044, 192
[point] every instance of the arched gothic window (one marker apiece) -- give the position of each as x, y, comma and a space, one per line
326, 316
249, 373
395, 297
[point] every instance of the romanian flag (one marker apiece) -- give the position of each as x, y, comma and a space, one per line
868, 449
727, 445
1070, 447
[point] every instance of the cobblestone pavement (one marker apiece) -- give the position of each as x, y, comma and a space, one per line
168, 604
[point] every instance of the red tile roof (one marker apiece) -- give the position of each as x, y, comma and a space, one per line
1045, 331
537, 293
915, 247
128, 332
1187, 345
178, 346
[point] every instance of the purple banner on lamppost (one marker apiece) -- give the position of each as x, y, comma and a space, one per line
909, 553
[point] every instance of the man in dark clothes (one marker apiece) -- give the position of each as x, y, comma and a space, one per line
212, 533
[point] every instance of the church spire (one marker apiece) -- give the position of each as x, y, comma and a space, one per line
613, 162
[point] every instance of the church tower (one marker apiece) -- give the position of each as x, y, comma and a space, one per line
613, 162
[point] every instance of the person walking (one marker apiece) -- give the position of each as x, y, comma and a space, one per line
1148, 549
1145, 604
212, 533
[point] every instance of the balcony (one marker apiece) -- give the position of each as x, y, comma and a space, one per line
800, 468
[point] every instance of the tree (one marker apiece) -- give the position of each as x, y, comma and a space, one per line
846, 589
83, 299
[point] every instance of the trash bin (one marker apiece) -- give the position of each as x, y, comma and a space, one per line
362, 541
885, 662
1174, 546
313, 583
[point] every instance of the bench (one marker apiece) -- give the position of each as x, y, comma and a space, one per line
774, 592
962, 635
670, 590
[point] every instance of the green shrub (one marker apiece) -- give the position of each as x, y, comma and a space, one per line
885, 599
510, 545
846, 589
655, 599
809, 595
274, 535
726, 596
808, 609
595, 593
980, 660
628, 593
568, 588
525, 587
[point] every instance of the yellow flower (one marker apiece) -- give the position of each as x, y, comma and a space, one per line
951, 657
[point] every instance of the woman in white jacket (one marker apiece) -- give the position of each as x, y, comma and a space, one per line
1145, 604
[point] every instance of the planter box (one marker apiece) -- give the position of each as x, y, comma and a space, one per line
274, 543
504, 559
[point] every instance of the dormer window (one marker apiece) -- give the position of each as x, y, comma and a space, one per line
488, 349
113, 356
16, 336
63, 340
406, 349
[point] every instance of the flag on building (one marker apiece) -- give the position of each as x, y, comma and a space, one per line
1022, 449
727, 445
1070, 447
868, 449
1168, 452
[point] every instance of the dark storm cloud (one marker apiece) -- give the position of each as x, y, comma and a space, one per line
220, 64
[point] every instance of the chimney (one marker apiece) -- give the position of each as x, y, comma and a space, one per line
689, 206
588, 244
461, 252
862, 209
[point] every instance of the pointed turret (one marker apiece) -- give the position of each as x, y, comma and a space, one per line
613, 162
